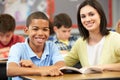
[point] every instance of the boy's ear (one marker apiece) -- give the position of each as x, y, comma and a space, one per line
55, 28
26, 30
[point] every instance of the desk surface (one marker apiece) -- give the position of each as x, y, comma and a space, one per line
104, 75
3, 61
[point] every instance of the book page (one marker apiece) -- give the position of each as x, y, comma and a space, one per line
87, 70
3, 59
70, 70
84, 70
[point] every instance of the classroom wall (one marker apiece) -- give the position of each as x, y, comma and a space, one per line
115, 10
70, 7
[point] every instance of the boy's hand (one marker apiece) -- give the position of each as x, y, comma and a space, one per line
27, 63
50, 71
2, 50
64, 52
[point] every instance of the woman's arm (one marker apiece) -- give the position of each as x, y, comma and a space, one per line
111, 67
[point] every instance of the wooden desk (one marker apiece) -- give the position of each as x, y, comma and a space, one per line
97, 76
2, 62
3, 75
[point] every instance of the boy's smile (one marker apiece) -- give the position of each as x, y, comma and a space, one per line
38, 32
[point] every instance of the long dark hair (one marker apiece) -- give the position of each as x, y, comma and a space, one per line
103, 21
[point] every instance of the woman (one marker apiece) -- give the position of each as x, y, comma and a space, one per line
97, 46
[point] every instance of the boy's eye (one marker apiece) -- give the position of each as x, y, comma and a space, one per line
35, 29
45, 29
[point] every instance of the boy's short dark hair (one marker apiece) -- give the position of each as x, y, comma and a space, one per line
38, 15
62, 19
7, 23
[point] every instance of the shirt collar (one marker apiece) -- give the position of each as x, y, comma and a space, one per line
32, 54
55, 38
46, 50
30, 51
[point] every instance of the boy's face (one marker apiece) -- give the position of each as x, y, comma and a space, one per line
62, 33
38, 32
5, 38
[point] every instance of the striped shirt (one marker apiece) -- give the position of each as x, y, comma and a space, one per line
61, 45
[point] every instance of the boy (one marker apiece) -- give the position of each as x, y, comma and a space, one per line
7, 36
62, 27
36, 56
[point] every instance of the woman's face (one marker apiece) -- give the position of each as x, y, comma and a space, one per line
90, 18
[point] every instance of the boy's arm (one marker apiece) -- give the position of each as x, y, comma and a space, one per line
28, 63
16, 70
53, 70
64, 52
59, 64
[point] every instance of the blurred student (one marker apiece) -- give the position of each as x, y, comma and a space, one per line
118, 27
62, 26
36, 56
7, 36
97, 46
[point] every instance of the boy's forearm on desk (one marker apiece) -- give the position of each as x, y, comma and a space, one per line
60, 64
15, 70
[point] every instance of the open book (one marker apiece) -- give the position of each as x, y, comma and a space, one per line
86, 70
3, 59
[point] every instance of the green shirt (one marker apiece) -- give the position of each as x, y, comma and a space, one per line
110, 52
